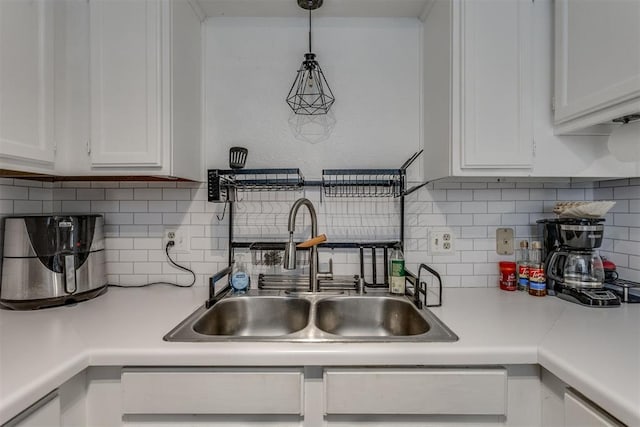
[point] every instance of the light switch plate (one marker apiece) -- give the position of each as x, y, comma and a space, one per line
504, 241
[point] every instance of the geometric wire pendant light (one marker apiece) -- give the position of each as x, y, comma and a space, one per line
310, 93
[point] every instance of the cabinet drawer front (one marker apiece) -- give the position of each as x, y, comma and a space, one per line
212, 392
416, 391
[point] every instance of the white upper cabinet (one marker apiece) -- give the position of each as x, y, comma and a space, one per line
478, 96
145, 88
126, 83
597, 61
26, 85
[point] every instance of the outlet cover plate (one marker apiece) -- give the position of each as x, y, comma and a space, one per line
181, 238
504, 241
441, 242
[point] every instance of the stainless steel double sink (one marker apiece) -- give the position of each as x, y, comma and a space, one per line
312, 317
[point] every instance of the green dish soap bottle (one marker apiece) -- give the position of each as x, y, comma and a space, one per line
396, 272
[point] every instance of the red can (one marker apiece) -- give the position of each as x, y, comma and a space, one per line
507, 279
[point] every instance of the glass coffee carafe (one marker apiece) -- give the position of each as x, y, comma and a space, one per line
577, 268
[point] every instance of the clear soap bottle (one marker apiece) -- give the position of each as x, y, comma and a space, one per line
240, 279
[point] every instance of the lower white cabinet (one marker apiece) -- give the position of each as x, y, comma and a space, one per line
315, 396
43, 413
579, 412
326, 396
563, 406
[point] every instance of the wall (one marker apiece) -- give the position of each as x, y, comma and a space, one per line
372, 66
136, 214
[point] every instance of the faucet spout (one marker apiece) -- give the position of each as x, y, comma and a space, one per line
290, 250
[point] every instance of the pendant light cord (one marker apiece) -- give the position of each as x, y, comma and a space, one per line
310, 51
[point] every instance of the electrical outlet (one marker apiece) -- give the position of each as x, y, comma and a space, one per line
441, 242
180, 238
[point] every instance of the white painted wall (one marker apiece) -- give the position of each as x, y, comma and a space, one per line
372, 65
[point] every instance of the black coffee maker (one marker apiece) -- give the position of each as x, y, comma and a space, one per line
572, 264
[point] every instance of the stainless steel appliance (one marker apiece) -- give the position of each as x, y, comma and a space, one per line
572, 264
51, 260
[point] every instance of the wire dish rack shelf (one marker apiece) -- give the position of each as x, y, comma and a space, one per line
222, 184
363, 182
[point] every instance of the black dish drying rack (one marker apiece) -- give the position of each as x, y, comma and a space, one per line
223, 184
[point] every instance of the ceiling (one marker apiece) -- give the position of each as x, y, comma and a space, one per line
331, 8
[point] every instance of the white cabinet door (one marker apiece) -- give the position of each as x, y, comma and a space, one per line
580, 413
597, 62
478, 96
495, 99
126, 83
26, 83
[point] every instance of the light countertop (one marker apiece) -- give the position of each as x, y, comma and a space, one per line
597, 351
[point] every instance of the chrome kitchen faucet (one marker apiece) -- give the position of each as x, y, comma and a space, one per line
290, 250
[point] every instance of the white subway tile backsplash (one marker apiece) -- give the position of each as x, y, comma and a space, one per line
147, 243
459, 195
36, 193
118, 218
64, 194
176, 194
474, 207
134, 230
147, 193
147, 268
487, 194
104, 206
90, 194
515, 194
118, 243
447, 207
27, 183
571, 194
626, 247
147, 218
136, 214
12, 192
119, 194
134, 206
25, 207
134, 255
626, 220
120, 268
6, 207
487, 219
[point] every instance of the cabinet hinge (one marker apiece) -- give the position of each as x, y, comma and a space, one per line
533, 148
88, 147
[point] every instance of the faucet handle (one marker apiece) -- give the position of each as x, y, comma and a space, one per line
313, 241
327, 275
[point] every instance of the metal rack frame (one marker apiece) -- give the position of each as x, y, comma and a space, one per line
224, 184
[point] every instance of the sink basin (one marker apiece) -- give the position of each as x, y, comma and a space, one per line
312, 317
259, 316
369, 317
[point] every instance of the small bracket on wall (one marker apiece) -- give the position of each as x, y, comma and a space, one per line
504, 241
